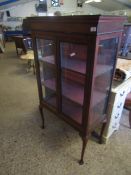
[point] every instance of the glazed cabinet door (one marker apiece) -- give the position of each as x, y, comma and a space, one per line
103, 74
73, 69
46, 53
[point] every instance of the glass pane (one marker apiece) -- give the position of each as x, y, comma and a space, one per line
103, 75
73, 69
46, 50
46, 57
73, 56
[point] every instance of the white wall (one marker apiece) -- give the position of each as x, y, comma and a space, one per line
70, 7
122, 12
23, 10
28, 9
125, 12
88, 9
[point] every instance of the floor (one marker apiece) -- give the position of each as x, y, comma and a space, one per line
26, 149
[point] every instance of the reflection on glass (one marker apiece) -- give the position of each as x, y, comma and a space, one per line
125, 47
45, 49
46, 57
103, 75
73, 69
73, 57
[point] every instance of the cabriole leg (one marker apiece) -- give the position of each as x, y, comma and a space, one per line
84, 140
42, 116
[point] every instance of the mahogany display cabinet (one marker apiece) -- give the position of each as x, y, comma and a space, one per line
75, 58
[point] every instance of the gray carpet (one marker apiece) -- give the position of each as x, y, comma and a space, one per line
26, 149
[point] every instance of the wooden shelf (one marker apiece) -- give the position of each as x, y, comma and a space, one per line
71, 109
72, 91
50, 83
49, 59
51, 100
101, 69
97, 97
77, 65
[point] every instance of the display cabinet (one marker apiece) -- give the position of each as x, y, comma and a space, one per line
75, 58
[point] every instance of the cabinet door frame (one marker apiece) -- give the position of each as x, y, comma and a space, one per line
90, 42
98, 39
72, 40
36, 36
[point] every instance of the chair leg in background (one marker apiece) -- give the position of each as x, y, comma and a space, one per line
102, 132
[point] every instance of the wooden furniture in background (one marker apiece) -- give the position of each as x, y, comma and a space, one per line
23, 44
29, 57
117, 99
2, 41
20, 46
26, 52
75, 58
119, 91
9, 34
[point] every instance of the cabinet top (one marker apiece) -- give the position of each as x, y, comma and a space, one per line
84, 24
